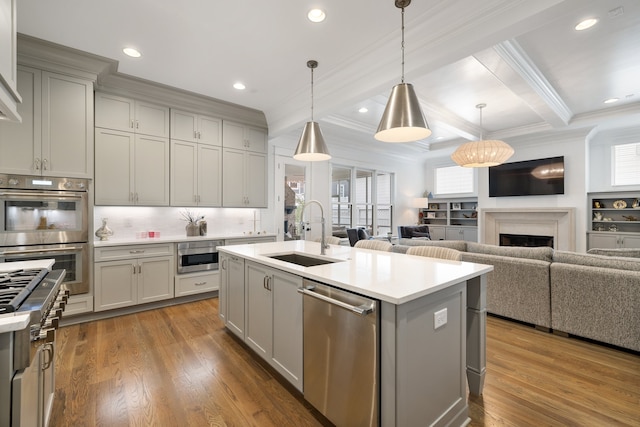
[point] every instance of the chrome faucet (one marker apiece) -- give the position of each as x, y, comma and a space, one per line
323, 244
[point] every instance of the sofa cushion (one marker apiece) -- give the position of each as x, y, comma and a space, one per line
544, 253
459, 245
623, 252
602, 261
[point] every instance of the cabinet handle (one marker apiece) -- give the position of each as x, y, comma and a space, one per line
137, 124
48, 348
131, 123
195, 135
139, 269
37, 164
199, 135
44, 164
224, 264
200, 283
134, 268
137, 251
136, 198
264, 282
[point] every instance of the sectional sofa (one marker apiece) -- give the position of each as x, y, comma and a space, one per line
594, 295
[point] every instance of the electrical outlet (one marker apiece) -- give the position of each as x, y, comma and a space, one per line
439, 318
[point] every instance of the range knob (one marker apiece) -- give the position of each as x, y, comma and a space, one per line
81, 185
67, 185
14, 181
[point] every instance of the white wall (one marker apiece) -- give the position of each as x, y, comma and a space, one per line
600, 159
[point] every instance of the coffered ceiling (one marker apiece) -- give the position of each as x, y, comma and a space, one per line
524, 59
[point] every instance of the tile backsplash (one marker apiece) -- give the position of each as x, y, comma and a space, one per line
127, 222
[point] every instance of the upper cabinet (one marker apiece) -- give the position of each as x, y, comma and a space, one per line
129, 115
9, 92
243, 137
55, 137
193, 127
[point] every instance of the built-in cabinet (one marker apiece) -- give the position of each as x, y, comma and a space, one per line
614, 220
232, 306
452, 219
131, 169
196, 283
244, 179
243, 137
130, 115
130, 275
55, 137
196, 159
274, 319
132, 152
9, 93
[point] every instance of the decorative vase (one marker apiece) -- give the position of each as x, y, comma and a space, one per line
104, 232
192, 229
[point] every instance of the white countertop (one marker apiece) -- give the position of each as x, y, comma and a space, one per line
15, 321
175, 239
392, 277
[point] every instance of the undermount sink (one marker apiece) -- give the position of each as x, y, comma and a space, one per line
302, 260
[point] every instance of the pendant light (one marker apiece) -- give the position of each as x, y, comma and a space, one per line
311, 147
402, 120
483, 153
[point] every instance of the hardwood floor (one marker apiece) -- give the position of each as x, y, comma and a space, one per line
178, 366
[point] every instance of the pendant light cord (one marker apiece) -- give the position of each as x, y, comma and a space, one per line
312, 94
402, 44
480, 107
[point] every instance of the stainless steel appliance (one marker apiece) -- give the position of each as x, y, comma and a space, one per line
46, 218
32, 302
198, 256
341, 354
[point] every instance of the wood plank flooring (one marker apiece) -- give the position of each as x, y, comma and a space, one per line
178, 366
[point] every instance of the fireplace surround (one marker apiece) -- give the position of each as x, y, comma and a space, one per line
558, 223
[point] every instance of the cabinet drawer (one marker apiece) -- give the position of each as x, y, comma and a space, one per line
132, 251
195, 284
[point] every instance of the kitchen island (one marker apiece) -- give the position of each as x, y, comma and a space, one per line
431, 329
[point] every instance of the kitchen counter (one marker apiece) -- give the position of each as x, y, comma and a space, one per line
176, 239
387, 276
16, 321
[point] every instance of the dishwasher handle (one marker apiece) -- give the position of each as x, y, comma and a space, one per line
361, 310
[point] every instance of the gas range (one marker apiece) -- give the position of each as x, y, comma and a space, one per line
31, 303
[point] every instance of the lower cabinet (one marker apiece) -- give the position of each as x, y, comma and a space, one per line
469, 234
131, 275
272, 307
614, 241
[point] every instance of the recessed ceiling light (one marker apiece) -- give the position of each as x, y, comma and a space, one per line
587, 23
134, 53
316, 15
239, 86
439, 138
611, 100
363, 110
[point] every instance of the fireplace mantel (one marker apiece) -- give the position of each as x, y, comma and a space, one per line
556, 222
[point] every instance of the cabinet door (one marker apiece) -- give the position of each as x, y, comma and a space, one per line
183, 125
437, 233
114, 112
235, 303
287, 326
209, 175
233, 135
151, 119
114, 167
632, 242
470, 234
151, 176
115, 284
209, 130
223, 290
67, 126
605, 241
184, 173
155, 279
20, 143
256, 140
233, 178
259, 311
256, 180
8, 58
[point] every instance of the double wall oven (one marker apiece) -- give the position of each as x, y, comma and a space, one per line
43, 218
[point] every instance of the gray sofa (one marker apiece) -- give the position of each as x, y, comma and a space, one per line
591, 295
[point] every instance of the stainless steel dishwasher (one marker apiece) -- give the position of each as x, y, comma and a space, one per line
341, 354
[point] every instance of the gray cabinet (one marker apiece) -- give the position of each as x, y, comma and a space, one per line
244, 179
232, 294
131, 275
452, 219
615, 220
130, 115
196, 283
274, 319
192, 127
131, 169
469, 234
614, 240
235, 135
55, 137
9, 93
196, 174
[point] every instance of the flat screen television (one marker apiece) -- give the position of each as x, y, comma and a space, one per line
527, 178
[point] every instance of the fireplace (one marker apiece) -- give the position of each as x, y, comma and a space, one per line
558, 223
527, 240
